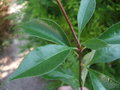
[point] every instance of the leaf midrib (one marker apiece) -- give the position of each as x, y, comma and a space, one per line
56, 40
44, 60
83, 17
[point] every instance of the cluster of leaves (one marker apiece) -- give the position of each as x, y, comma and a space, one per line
48, 9
49, 61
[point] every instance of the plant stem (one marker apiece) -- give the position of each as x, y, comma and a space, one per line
76, 39
80, 69
69, 23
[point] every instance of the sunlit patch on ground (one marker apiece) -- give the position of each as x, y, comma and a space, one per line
7, 68
9, 62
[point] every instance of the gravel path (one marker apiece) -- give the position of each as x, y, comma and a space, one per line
9, 61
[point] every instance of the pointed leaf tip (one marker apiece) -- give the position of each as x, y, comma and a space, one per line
86, 10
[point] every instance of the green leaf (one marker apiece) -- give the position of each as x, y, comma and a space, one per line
65, 77
41, 61
95, 44
86, 10
103, 82
56, 75
86, 60
67, 73
110, 53
107, 54
45, 29
97, 85
112, 35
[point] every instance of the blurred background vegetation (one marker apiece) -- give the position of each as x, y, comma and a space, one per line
5, 26
107, 13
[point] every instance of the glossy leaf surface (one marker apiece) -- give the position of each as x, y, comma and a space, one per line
112, 52
95, 44
103, 82
107, 54
41, 61
86, 10
45, 29
112, 35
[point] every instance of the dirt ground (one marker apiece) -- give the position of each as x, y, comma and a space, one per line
9, 61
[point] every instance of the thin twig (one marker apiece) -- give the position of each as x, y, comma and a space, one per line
69, 23
76, 39
80, 69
